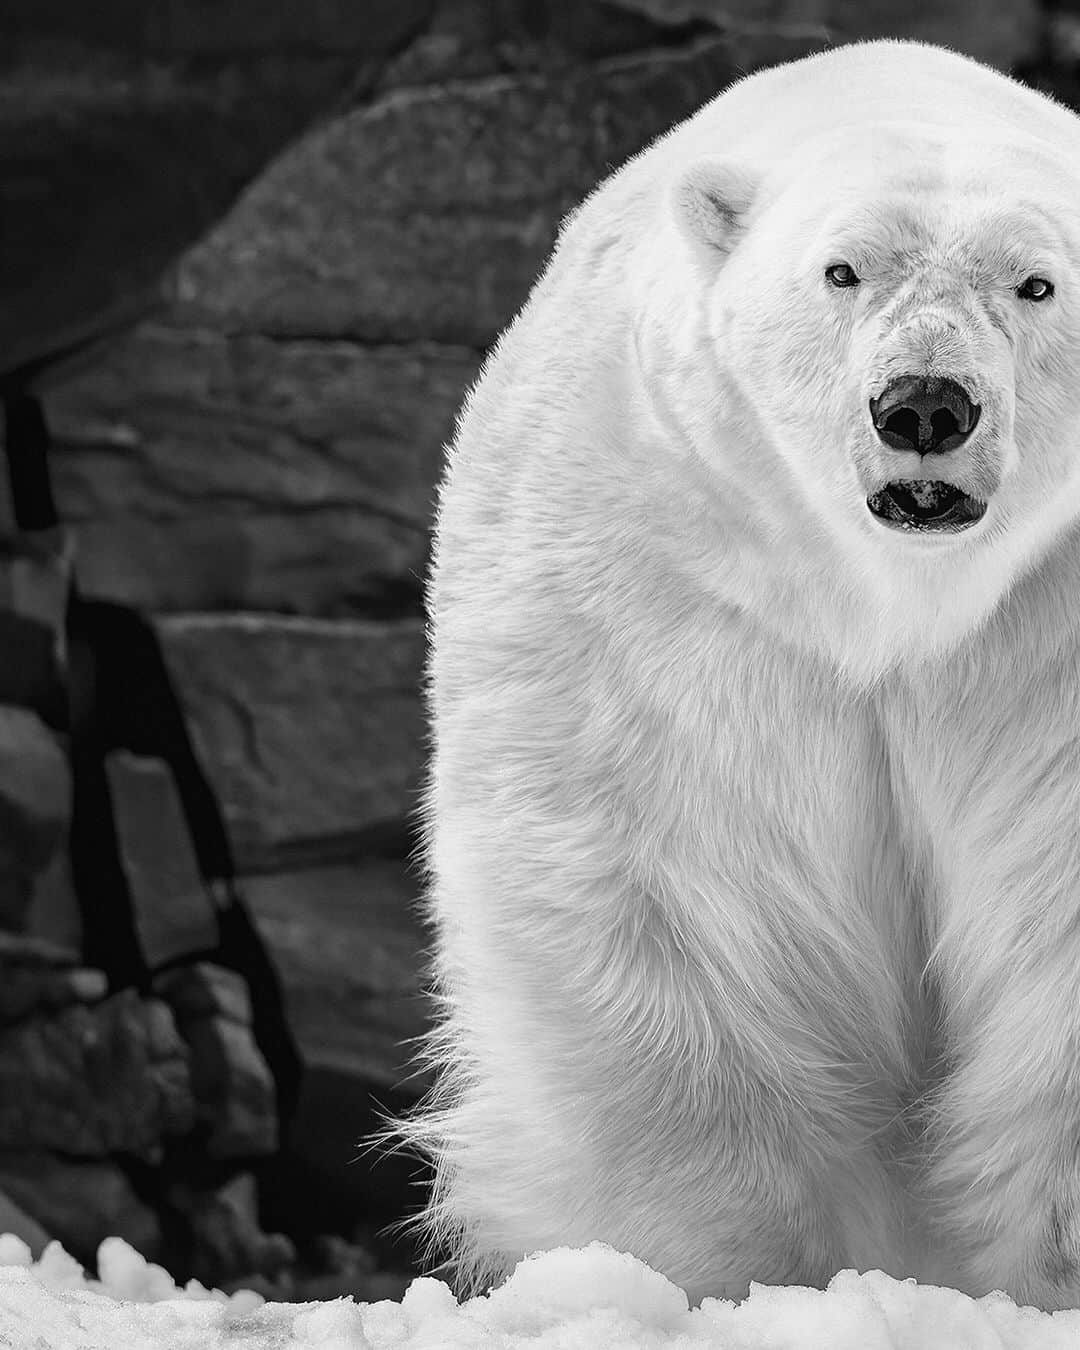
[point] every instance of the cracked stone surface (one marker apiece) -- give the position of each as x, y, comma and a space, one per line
310, 731
206, 472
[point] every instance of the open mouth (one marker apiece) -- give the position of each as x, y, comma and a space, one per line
926, 505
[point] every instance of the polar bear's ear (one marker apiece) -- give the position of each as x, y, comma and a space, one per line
710, 202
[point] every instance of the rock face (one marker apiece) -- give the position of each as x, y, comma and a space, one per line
209, 472
430, 210
349, 944
111, 94
310, 731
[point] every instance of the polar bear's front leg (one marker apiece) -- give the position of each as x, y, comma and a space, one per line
1005, 1133
986, 759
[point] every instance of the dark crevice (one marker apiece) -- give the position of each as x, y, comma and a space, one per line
387, 839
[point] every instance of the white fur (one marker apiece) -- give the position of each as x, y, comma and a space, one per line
752, 825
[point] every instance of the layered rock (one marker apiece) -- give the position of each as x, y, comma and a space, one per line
203, 472
311, 731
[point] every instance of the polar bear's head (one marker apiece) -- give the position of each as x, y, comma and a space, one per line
897, 309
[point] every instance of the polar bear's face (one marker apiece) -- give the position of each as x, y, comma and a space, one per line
901, 317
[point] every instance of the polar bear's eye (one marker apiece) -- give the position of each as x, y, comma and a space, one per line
841, 274
1035, 288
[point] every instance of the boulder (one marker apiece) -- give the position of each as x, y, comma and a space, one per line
35, 577
349, 946
171, 908
54, 912
229, 29
16, 1221
89, 1081
204, 472
427, 215
29, 988
79, 1203
310, 731
235, 1098
125, 131
228, 1241
1001, 32
35, 809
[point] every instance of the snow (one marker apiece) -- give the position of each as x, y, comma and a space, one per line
593, 1299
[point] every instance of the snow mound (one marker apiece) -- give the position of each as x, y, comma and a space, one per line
594, 1299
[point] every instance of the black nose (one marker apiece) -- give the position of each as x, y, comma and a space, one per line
914, 412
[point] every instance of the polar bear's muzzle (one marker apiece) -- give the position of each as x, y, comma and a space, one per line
927, 416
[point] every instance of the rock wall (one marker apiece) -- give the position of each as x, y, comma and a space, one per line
253, 466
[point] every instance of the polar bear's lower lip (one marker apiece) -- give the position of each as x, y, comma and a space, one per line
926, 505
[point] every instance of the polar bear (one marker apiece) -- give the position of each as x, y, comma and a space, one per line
752, 812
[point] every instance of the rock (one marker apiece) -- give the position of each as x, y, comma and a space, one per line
349, 947
329, 1267
34, 780
16, 1221
27, 989
471, 39
1002, 32
54, 911
234, 1092
32, 950
308, 730
228, 1241
204, 472
331, 1254
119, 147
30, 671
183, 28
205, 990
364, 31
35, 808
427, 215
326, 561
80, 1203
173, 913
35, 576
233, 1089
89, 1081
